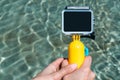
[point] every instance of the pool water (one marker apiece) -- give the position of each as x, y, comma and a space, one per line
31, 37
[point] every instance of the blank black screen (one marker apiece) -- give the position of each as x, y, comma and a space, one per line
77, 21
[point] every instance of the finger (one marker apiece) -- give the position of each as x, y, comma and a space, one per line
64, 71
91, 76
87, 62
52, 67
64, 63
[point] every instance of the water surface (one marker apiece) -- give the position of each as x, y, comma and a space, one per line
31, 37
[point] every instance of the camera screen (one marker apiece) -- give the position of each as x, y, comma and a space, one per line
77, 21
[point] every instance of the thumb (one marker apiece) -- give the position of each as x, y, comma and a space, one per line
87, 62
64, 71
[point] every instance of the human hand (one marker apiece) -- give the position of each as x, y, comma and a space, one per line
54, 72
83, 73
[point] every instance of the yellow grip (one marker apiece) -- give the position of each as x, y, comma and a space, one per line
76, 51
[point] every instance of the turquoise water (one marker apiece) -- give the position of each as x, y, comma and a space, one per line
31, 37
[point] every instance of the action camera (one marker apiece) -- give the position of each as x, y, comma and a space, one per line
77, 20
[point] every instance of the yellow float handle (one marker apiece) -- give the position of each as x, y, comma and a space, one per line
76, 51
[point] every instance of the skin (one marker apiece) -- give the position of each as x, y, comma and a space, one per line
83, 73
61, 70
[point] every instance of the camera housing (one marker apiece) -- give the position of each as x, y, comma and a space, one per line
77, 20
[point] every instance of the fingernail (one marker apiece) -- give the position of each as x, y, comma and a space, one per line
73, 66
88, 62
90, 59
